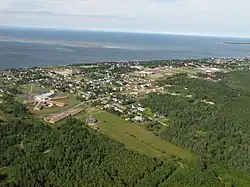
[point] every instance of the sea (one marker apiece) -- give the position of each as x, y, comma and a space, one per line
33, 47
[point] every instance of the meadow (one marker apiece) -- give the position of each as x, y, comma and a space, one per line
137, 138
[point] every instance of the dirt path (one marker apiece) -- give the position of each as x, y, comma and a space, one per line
31, 89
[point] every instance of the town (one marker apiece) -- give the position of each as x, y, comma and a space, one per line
55, 93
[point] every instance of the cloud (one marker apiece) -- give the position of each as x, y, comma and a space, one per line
223, 17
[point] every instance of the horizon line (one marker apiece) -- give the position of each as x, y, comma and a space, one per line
121, 31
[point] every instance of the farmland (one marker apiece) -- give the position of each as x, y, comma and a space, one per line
137, 138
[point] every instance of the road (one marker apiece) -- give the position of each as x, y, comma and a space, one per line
31, 89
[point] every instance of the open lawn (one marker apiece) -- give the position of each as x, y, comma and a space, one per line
25, 88
86, 113
137, 138
37, 89
148, 113
189, 71
32, 88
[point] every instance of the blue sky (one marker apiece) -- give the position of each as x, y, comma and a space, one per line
202, 17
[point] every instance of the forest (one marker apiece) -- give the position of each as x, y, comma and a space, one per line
35, 154
213, 121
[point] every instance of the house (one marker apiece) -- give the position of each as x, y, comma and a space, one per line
119, 107
138, 119
141, 109
91, 119
44, 96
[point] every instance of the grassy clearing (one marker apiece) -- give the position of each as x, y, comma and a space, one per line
189, 71
25, 88
37, 89
137, 138
2, 79
148, 113
32, 88
89, 111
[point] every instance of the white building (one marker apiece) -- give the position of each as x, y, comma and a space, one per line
45, 96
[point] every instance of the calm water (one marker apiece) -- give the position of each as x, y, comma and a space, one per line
34, 47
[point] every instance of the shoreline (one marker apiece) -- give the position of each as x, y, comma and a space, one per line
186, 60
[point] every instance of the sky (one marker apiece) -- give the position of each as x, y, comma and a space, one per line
195, 17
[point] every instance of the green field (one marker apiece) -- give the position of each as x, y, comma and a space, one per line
137, 138
148, 113
37, 89
32, 88
183, 70
89, 111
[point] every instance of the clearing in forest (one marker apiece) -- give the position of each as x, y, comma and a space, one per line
137, 138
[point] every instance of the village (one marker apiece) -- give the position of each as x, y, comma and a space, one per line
56, 93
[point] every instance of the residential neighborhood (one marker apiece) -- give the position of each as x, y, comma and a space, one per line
112, 86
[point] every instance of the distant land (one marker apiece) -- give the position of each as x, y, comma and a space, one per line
236, 43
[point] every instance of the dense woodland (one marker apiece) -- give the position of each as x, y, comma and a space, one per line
34, 154
220, 131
